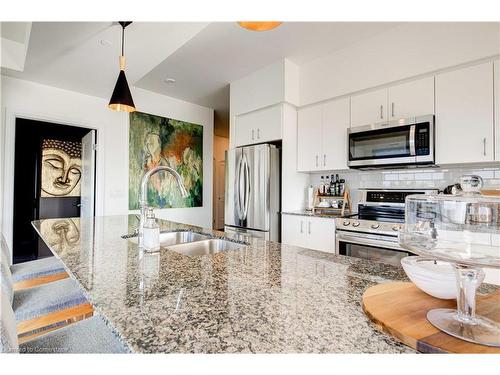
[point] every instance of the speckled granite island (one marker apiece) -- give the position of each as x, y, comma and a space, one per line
263, 298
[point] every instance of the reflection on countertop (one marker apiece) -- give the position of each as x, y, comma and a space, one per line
263, 298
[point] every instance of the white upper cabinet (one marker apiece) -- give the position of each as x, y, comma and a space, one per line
334, 137
259, 126
497, 109
464, 115
309, 138
415, 98
321, 136
410, 99
369, 108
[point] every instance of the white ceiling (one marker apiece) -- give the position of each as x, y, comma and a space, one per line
202, 58
70, 55
15, 31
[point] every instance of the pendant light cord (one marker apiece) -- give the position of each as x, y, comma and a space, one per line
123, 38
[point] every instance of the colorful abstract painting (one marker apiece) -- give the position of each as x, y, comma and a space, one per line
155, 140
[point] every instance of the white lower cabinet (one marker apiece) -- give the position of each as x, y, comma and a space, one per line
309, 232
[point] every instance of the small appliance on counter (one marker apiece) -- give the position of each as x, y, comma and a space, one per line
310, 198
452, 189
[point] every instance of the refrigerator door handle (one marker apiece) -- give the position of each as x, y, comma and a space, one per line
247, 187
238, 189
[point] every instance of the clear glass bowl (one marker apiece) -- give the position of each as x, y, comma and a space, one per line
462, 229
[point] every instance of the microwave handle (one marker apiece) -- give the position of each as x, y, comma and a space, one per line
413, 151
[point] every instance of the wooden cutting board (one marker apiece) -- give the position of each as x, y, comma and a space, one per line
400, 309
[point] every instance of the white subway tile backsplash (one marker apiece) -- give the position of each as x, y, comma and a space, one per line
438, 176
485, 173
431, 178
406, 176
423, 176
490, 183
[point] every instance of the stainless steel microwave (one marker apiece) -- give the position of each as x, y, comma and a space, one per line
405, 142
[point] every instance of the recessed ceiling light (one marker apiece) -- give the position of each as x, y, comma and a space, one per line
169, 80
105, 42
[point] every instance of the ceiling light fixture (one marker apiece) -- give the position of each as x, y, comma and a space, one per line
121, 100
259, 26
169, 80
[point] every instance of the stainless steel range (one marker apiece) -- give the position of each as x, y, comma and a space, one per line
372, 233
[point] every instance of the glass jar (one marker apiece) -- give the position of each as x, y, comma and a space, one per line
462, 229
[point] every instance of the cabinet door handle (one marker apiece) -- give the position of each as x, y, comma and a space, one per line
316, 160
309, 227
381, 112
484, 146
324, 160
253, 134
392, 109
301, 226
258, 133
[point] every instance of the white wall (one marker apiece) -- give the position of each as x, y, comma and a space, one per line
293, 183
260, 89
406, 51
31, 100
275, 83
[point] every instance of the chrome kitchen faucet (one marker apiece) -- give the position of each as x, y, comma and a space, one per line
143, 195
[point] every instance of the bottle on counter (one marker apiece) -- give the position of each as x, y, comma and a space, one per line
321, 187
151, 232
332, 185
337, 185
342, 187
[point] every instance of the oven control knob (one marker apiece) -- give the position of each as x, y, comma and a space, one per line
375, 226
346, 223
355, 224
395, 228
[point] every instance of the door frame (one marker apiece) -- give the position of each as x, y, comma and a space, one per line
217, 189
8, 168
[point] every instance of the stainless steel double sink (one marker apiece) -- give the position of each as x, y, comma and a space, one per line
194, 244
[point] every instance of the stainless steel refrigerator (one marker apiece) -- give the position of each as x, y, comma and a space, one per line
253, 192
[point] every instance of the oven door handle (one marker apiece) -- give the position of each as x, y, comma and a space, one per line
411, 140
369, 240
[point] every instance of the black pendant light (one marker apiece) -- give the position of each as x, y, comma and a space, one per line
121, 100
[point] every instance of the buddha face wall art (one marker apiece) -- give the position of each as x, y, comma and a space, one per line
61, 168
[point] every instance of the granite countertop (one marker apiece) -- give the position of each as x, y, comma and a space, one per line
311, 213
263, 298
